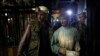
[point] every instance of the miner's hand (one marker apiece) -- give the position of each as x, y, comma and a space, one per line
62, 51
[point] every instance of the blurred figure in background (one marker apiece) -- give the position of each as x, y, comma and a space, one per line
33, 44
55, 19
81, 26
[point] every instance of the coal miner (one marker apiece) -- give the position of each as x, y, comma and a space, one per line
44, 25
34, 40
65, 40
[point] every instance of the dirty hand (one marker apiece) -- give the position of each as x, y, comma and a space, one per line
62, 51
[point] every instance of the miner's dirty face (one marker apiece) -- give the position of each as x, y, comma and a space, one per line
42, 17
64, 22
81, 18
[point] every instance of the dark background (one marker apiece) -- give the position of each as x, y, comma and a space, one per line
93, 22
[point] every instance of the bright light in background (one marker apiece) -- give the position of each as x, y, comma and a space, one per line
5, 14
11, 18
57, 20
69, 12
8, 19
33, 9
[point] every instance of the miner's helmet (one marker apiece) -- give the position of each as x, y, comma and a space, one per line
43, 12
43, 9
82, 14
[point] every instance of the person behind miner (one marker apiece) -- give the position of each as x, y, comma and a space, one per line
81, 26
44, 49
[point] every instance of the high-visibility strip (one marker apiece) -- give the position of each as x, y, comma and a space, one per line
10, 51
